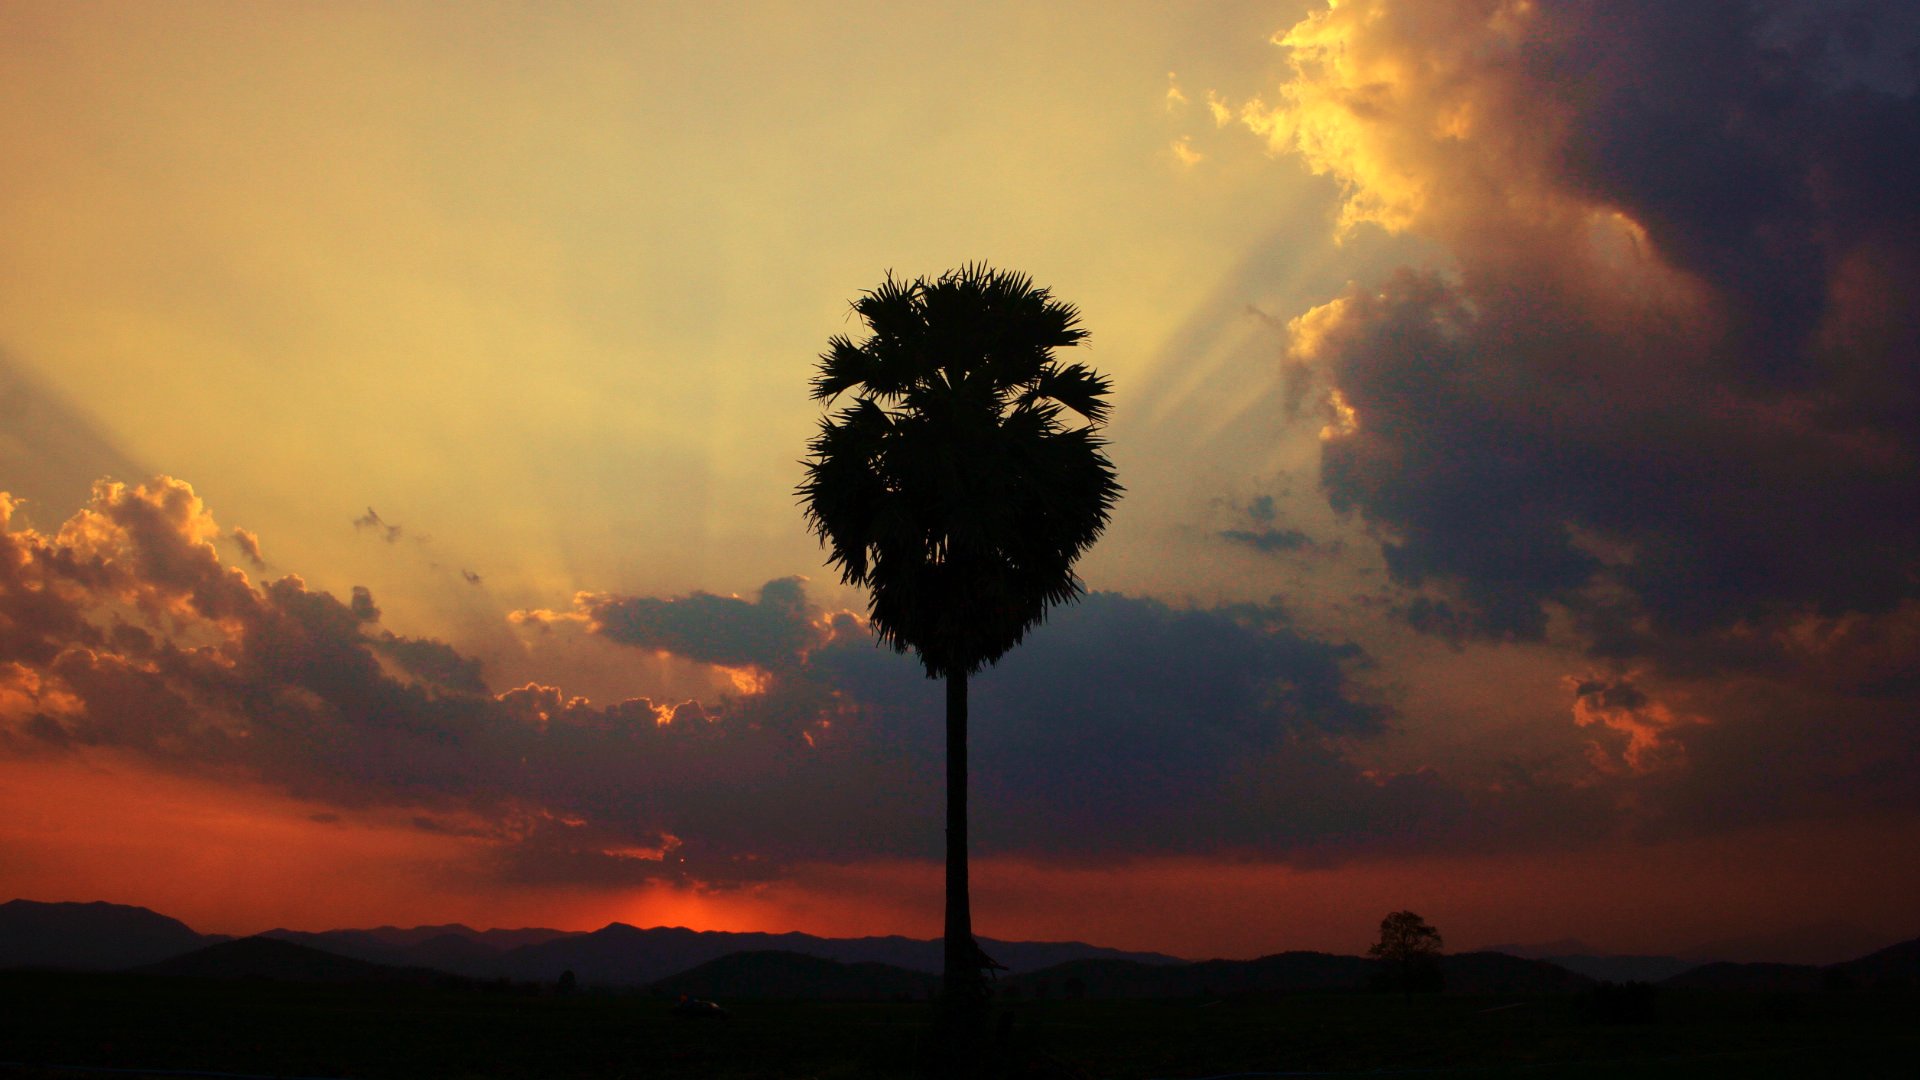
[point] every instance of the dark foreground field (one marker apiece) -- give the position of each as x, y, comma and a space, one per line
71, 1025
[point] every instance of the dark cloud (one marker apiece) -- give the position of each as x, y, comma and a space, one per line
1126, 725
1673, 386
1261, 534
434, 662
1663, 404
764, 632
249, 546
1268, 540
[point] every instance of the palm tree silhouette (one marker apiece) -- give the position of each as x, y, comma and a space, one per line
955, 490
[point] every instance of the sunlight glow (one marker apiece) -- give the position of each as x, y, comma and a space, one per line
747, 680
1345, 421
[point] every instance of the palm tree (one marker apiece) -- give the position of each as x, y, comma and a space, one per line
954, 488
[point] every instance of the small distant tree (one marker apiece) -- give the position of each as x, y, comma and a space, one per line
1411, 950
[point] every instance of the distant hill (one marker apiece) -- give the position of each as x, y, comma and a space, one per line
1624, 969
790, 975
96, 936
1809, 944
622, 955
358, 944
461, 950
1583, 959
282, 961
1544, 950
1102, 979
1287, 971
1280, 973
1284, 973
496, 940
1020, 956
1768, 978
1893, 966
463, 955
102, 936
1498, 973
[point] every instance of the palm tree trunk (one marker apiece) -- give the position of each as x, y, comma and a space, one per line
962, 969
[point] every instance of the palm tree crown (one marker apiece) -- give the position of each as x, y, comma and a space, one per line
953, 486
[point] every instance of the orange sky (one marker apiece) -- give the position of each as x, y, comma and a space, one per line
229, 859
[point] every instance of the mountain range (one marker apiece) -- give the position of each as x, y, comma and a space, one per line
1807, 945
101, 936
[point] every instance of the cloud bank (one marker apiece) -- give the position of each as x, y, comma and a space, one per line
1672, 384
1661, 406
1126, 727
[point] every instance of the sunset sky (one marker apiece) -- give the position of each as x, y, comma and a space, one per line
1518, 401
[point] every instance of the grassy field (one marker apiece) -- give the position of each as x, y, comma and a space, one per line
63, 1025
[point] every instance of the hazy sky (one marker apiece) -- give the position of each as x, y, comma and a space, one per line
1519, 405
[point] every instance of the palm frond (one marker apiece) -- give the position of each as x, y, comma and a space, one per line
1077, 387
950, 487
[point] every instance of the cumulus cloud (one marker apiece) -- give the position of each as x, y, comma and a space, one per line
1672, 383
123, 630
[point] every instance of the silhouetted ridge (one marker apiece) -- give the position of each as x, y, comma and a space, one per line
1768, 978
1287, 972
461, 954
91, 936
1624, 969
262, 957
357, 944
623, 955
1893, 966
1284, 973
792, 975
1498, 973
412, 937
1544, 950
1583, 959
461, 950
